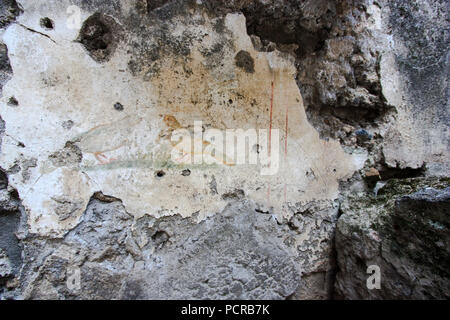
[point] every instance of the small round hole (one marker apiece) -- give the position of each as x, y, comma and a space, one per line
160, 174
118, 106
13, 102
186, 172
47, 23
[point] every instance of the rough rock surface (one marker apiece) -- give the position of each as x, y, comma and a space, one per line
404, 230
93, 206
238, 254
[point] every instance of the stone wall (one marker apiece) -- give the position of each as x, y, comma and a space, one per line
102, 199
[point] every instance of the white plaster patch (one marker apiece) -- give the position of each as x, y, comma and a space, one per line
56, 82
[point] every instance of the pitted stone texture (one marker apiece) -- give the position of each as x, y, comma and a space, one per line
91, 117
414, 71
5, 67
5, 265
404, 231
10, 215
377, 65
9, 10
238, 254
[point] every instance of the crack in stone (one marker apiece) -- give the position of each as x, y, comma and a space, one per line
34, 31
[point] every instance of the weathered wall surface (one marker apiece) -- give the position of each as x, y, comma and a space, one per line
402, 227
96, 205
414, 75
404, 231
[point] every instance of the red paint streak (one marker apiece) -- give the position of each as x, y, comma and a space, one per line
103, 159
270, 123
286, 134
270, 132
286, 146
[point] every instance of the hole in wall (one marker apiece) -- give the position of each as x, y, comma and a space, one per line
186, 172
47, 23
160, 237
99, 35
118, 106
160, 174
13, 102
